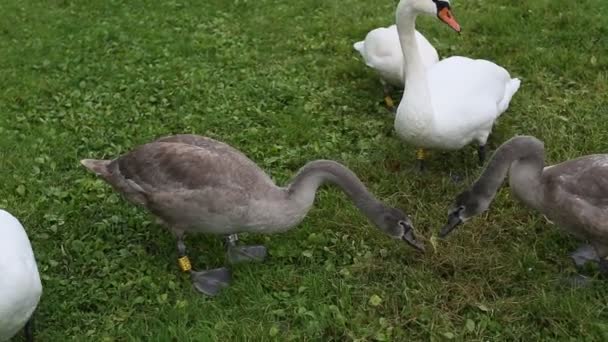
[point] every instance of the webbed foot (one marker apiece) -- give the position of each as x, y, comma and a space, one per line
583, 255
578, 281
210, 282
456, 178
237, 254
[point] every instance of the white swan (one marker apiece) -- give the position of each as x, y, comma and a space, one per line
457, 100
381, 51
20, 286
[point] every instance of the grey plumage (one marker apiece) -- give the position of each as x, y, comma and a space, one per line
573, 194
195, 184
198, 184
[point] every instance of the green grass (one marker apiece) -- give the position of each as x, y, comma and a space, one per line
281, 82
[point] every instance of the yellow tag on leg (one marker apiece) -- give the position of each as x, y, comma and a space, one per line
184, 264
420, 154
389, 101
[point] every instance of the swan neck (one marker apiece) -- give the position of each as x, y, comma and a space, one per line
303, 187
523, 159
525, 180
415, 73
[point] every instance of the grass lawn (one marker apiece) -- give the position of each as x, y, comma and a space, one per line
280, 81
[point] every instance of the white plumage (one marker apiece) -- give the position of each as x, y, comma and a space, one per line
20, 286
454, 102
381, 51
466, 97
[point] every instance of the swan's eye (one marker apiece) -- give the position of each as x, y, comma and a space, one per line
406, 227
441, 4
456, 211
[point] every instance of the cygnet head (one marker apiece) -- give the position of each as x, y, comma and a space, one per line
439, 8
398, 225
467, 204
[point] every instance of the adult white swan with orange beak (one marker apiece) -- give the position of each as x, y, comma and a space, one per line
454, 102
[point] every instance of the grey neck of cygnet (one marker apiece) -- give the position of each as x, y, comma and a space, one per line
523, 157
311, 176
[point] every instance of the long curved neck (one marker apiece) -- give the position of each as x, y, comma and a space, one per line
523, 159
311, 176
412, 60
416, 93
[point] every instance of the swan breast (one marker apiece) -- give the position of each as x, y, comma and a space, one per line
20, 282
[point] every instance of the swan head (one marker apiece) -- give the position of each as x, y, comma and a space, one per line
439, 8
466, 205
398, 225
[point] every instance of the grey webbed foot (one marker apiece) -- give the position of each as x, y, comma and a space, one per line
578, 281
210, 282
456, 178
237, 254
583, 255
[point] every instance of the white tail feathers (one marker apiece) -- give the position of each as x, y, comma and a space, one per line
359, 46
98, 166
510, 90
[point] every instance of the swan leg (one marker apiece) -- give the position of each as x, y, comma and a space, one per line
583, 255
604, 267
602, 253
208, 282
578, 281
388, 100
237, 254
420, 157
28, 330
481, 153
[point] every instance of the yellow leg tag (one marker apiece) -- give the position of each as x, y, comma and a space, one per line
184, 264
389, 101
420, 154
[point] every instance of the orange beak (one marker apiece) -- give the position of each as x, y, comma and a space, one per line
446, 16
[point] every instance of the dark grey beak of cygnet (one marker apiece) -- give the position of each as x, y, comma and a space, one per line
410, 238
453, 221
